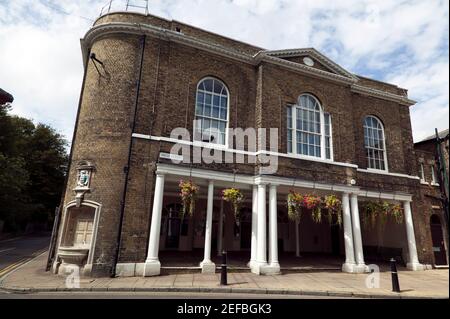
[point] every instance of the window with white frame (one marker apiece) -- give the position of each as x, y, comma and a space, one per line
433, 175
374, 143
422, 173
211, 111
309, 129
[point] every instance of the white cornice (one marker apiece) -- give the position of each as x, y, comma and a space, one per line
382, 95
343, 77
265, 152
304, 69
372, 171
247, 180
242, 152
315, 54
385, 195
160, 33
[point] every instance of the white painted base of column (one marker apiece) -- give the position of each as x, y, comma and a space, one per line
260, 268
152, 268
415, 266
208, 267
256, 267
362, 268
250, 264
271, 269
126, 269
354, 268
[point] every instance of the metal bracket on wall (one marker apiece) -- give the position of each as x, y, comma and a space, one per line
96, 63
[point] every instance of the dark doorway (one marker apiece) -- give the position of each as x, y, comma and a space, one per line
245, 228
437, 237
335, 240
246, 235
215, 233
173, 226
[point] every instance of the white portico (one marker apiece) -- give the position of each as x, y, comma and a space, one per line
265, 192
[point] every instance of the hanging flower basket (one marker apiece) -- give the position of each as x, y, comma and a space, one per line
397, 213
188, 192
235, 197
381, 211
313, 203
334, 207
385, 209
370, 214
294, 203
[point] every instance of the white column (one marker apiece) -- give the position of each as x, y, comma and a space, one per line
261, 252
207, 265
413, 262
274, 266
254, 225
297, 239
152, 265
357, 239
220, 231
349, 265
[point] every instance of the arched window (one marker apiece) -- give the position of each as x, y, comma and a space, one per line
309, 129
374, 143
211, 111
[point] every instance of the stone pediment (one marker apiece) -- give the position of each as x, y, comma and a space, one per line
312, 58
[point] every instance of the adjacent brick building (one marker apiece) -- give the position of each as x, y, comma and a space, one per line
434, 193
338, 133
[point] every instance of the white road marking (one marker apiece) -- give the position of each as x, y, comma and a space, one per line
9, 239
8, 249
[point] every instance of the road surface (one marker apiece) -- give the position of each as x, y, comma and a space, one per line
16, 251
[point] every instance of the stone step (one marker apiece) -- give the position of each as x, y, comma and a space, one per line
196, 269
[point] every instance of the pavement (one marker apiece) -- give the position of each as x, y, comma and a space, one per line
31, 278
149, 295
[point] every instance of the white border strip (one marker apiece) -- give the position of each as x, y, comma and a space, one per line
274, 180
231, 150
264, 152
373, 171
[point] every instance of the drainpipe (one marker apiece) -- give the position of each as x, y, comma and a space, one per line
127, 168
443, 180
59, 211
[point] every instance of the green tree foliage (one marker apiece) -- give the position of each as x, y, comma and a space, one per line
33, 162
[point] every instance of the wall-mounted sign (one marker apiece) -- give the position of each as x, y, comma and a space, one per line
172, 157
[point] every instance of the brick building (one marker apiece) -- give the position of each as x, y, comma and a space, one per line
434, 192
338, 134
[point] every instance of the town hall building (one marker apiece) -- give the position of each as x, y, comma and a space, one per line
322, 134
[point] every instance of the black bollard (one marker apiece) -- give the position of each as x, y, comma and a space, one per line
223, 272
395, 283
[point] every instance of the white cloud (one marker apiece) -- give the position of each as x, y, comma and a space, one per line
404, 42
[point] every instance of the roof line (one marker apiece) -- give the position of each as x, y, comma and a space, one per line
170, 35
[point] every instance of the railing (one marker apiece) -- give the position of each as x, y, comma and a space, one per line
140, 6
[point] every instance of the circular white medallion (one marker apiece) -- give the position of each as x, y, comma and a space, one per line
308, 61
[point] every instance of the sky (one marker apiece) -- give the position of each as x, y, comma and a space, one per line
404, 42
